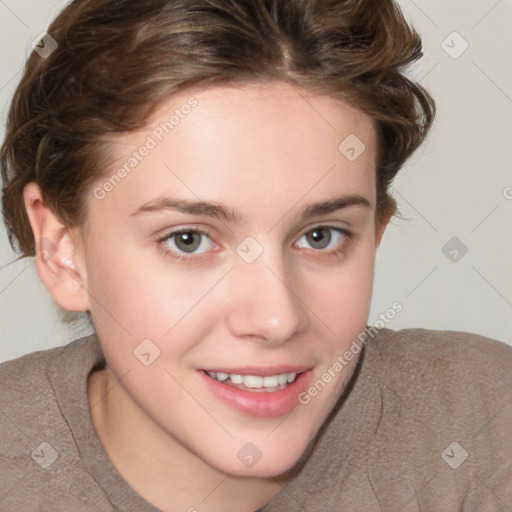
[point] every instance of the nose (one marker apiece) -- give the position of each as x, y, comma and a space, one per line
264, 305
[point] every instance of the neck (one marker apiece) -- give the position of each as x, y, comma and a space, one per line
160, 469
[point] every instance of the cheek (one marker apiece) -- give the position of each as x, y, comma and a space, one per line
124, 307
343, 302
343, 296
136, 300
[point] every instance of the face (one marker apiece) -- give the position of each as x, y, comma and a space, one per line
231, 264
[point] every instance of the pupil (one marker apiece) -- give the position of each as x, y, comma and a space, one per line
320, 238
186, 238
188, 241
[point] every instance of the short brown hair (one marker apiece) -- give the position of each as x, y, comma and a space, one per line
117, 59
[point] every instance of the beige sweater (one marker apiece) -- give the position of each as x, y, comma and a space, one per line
425, 426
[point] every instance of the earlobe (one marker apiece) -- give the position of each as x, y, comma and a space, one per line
59, 256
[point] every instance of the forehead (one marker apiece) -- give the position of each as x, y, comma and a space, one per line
265, 109
271, 143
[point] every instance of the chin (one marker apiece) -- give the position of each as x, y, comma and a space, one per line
268, 461
270, 469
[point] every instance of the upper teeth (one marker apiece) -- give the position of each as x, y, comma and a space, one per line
255, 381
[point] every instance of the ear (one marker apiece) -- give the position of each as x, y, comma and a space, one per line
59, 253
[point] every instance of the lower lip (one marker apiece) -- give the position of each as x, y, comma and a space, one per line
260, 403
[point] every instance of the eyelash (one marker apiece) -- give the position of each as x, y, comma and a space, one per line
333, 253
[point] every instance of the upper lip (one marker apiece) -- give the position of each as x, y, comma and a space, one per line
259, 370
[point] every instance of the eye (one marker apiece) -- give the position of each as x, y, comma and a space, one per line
184, 242
194, 243
325, 237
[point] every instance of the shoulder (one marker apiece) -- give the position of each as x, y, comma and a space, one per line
445, 416
37, 445
452, 357
31, 384
32, 372
449, 385
426, 340
449, 377
32, 379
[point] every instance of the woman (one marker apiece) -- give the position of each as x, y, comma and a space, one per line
209, 181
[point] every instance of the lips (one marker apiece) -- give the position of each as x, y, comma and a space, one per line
256, 394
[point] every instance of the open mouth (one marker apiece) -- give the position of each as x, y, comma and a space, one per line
269, 395
255, 383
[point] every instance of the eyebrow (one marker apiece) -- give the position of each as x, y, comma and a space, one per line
223, 213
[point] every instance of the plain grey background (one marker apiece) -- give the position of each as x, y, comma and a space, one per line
448, 263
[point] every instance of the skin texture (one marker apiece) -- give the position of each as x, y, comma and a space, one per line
265, 151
